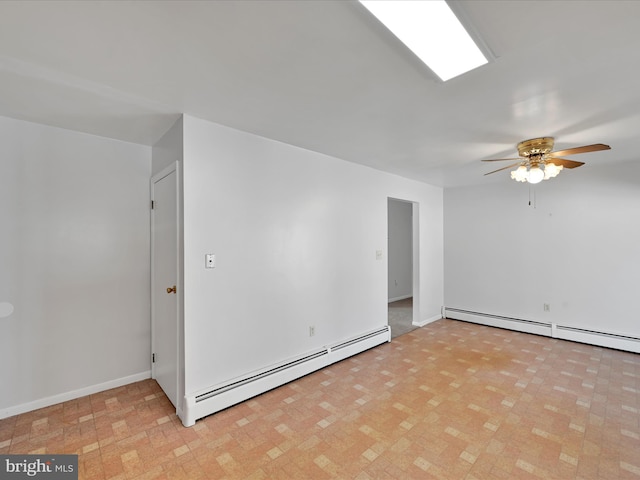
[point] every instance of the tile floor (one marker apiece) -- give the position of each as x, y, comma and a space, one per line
450, 400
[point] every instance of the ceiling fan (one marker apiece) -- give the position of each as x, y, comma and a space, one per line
538, 162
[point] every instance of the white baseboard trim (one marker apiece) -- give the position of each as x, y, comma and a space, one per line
427, 321
397, 299
616, 340
72, 395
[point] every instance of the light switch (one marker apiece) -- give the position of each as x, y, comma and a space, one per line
209, 260
378, 254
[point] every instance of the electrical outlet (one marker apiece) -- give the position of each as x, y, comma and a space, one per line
209, 260
547, 308
312, 330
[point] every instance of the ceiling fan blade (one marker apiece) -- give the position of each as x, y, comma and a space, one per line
586, 149
503, 168
565, 163
501, 159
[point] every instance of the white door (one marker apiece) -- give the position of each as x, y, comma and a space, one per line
164, 279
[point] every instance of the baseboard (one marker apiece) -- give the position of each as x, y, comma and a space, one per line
397, 299
600, 338
427, 321
72, 395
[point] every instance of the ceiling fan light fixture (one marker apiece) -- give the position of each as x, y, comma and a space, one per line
535, 174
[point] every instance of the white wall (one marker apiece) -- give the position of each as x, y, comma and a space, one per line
400, 281
74, 263
168, 149
295, 235
578, 250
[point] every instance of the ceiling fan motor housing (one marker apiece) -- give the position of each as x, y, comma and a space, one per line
535, 147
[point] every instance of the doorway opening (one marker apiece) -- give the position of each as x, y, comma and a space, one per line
402, 269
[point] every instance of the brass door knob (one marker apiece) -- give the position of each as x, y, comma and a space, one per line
171, 289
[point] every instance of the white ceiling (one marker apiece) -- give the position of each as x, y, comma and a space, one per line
324, 75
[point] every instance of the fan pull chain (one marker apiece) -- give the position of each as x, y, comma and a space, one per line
532, 189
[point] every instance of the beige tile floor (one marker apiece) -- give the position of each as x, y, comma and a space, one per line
451, 400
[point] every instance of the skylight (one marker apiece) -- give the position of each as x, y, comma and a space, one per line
432, 31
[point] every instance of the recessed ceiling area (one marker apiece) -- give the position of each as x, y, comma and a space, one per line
326, 76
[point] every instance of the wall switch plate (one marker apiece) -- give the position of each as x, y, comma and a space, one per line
312, 330
378, 254
209, 260
547, 308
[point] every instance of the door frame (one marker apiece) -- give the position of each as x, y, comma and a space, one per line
173, 168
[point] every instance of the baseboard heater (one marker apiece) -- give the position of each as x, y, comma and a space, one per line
618, 341
615, 340
509, 323
222, 396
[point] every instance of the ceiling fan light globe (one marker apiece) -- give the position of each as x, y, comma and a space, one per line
549, 173
536, 175
520, 174
551, 170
